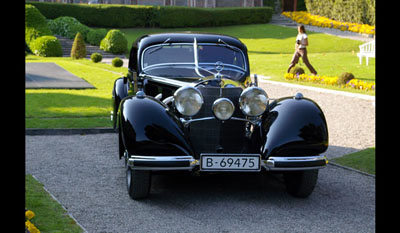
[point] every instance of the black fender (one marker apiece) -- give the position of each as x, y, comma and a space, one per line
148, 128
120, 91
293, 127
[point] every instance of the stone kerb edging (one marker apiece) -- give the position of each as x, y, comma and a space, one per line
71, 131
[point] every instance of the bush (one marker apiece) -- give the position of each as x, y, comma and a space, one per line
78, 47
128, 16
47, 46
96, 57
101, 15
344, 78
114, 42
95, 36
117, 62
35, 24
296, 70
68, 27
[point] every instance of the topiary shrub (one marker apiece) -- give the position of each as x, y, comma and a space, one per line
35, 24
344, 78
296, 70
114, 42
78, 47
96, 57
46, 46
95, 36
117, 62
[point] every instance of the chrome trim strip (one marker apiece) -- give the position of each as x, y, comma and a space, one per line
193, 162
188, 121
269, 164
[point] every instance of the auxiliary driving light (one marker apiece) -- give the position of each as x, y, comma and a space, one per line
223, 109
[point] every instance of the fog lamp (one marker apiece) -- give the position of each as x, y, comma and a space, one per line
223, 109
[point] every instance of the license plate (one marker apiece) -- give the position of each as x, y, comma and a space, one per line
230, 162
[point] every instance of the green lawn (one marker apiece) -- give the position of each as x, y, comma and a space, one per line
270, 50
363, 160
271, 47
49, 214
66, 108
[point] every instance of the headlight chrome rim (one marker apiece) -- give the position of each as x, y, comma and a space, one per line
188, 100
221, 103
253, 101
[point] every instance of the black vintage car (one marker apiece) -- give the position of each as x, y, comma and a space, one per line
188, 103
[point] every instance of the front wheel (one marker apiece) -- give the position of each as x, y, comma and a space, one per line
301, 183
138, 183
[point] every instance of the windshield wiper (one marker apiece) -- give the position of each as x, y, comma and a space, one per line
161, 46
228, 45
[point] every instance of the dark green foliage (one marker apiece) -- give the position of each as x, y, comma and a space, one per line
95, 36
175, 17
68, 27
355, 11
46, 46
114, 42
117, 62
344, 78
128, 16
35, 24
78, 47
296, 70
96, 57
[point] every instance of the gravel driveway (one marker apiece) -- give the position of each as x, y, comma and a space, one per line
83, 172
85, 175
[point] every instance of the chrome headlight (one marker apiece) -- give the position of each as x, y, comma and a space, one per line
253, 101
223, 109
188, 100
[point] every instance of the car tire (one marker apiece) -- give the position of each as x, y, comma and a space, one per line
301, 183
138, 183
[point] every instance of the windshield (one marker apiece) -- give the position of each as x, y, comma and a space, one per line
181, 60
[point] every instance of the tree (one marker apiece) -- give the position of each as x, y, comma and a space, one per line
78, 47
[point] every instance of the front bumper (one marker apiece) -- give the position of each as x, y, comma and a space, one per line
295, 163
160, 163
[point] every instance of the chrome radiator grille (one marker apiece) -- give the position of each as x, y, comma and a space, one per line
211, 136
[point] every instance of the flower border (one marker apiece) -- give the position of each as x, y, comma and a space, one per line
332, 81
304, 17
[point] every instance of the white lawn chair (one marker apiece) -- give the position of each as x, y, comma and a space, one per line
367, 50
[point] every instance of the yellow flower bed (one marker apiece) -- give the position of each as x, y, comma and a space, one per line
304, 17
29, 227
326, 80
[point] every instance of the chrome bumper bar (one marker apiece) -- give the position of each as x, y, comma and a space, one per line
159, 163
294, 163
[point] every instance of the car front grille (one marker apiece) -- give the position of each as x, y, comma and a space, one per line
213, 136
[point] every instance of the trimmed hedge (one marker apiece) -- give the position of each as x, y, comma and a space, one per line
125, 16
355, 11
35, 24
46, 46
114, 42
